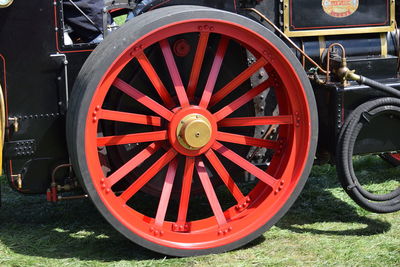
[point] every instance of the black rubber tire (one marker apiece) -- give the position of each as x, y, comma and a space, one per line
99, 62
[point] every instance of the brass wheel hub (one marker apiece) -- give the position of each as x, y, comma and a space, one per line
194, 131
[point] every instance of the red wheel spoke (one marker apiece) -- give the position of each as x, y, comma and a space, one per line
174, 73
132, 138
229, 109
235, 83
166, 193
155, 80
253, 121
197, 64
211, 196
186, 187
132, 164
246, 140
243, 163
129, 117
224, 175
148, 175
143, 99
215, 69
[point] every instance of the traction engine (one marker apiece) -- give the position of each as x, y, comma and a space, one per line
193, 125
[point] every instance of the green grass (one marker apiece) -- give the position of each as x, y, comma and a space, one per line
324, 228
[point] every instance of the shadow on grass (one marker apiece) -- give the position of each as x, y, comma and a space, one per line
74, 229
317, 209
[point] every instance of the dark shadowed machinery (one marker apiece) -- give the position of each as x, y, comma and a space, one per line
193, 125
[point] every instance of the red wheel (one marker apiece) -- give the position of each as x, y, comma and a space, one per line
393, 159
188, 124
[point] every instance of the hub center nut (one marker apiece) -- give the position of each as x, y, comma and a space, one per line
194, 131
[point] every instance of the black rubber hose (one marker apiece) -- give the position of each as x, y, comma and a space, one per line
358, 118
379, 86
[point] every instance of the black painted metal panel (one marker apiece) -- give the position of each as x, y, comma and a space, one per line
32, 74
311, 15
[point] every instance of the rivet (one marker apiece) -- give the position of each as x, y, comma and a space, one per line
97, 108
212, 28
200, 28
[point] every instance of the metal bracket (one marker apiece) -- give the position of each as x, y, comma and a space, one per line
65, 62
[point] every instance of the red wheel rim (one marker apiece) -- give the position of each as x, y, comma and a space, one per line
251, 211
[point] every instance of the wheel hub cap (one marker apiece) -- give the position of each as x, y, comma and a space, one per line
194, 131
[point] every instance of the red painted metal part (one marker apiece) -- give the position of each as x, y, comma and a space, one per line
251, 210
174, 73
181, 48
166, 193
395, 156
215, 69
185, 194
197, 64
155, 80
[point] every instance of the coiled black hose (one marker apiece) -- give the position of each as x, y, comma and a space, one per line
358, 118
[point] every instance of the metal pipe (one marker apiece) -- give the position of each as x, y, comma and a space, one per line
72, 197
287, 39
52, 195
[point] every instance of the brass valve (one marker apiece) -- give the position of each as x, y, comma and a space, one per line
345, 74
